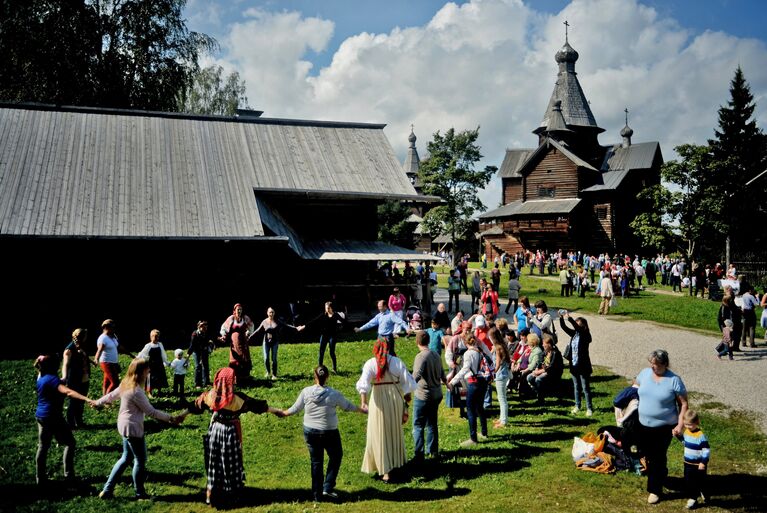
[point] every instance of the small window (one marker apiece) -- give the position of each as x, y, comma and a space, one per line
547, 192
601, 212
549, 170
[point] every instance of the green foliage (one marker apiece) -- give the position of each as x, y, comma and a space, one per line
687, 211
741, 149
392, 223
105, 53
210, 93
449, 173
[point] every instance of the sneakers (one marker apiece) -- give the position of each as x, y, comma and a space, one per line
691, 503
273, 377
589, 413
481, 437
653, 499
330, 494
469, 443
575, 410
266, 375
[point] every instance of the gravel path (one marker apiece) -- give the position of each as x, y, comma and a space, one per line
623, 345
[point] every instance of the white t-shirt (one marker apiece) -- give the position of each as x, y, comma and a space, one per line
179, 366
109, 348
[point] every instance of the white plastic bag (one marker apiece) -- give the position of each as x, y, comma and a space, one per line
613, 302
581, 448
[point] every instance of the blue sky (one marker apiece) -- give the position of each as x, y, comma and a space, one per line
489, 63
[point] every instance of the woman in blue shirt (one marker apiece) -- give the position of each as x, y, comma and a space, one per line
662, 405
50, 418
521, 314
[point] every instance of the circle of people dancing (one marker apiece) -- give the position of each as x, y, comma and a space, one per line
479, 351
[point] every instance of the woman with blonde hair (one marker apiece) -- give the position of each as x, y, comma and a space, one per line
76, 374
475, 392
502, 374
134, 405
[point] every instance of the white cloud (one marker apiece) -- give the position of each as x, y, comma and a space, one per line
491, 63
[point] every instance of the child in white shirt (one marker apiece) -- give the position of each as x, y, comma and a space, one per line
179, 366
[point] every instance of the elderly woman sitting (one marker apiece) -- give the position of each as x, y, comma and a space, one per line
546, 377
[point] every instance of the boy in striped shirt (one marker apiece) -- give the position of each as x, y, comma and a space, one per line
696, 455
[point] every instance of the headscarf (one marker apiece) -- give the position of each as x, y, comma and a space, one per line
223, 389
381, 353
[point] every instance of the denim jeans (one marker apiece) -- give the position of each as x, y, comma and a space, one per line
475, 395
47, 429
271, 347
201, 370
425, 417
328, 341
501, 387
318, 442
581, 385
134, 448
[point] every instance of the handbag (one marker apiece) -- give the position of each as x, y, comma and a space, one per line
568, 352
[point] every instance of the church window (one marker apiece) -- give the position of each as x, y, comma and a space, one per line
547, 192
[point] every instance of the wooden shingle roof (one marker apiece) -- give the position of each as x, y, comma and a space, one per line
79, 172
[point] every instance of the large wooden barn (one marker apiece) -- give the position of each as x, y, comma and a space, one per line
570, 192
158, 219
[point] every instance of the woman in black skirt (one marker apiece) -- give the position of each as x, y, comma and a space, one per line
223, 442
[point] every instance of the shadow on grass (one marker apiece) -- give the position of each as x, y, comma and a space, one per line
730, 492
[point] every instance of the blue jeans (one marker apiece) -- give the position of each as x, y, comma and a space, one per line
501, 387
328, 341
475, 395
581, 385
201, 370
134, 448
318, 442
271, 347
425, 416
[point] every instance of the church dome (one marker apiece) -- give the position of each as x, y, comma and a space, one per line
566, 54
627, 131
411, 138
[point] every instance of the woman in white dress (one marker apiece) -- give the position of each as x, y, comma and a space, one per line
387, 384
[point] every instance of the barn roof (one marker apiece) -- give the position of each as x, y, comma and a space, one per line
515, 208
82, 172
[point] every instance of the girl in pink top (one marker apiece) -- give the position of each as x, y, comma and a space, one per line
130, 424
397, 304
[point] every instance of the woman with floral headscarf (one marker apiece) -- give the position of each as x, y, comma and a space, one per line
387, 383
235, 332
223, 442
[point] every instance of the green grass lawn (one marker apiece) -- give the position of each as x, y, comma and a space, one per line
526, 467
679, 310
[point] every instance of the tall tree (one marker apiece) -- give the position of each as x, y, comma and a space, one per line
449, 173
687, 212
109, 53
740, 148
209, 93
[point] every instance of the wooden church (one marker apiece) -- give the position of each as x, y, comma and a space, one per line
571, 192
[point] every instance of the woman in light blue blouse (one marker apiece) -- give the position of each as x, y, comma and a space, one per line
662, 405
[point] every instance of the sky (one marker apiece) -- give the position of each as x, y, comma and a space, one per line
490, 63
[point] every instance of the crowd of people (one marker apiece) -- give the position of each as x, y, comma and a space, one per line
468, 355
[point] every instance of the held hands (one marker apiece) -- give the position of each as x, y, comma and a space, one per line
300, 328
357, 330
363, 409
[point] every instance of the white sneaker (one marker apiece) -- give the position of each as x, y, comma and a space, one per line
589, 413
653, 499
575, 410
691, 503
266, 375
468, 443
481, 437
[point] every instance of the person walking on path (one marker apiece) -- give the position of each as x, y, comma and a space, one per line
749, 317
514, 288
319, 403
454, 291
429, 376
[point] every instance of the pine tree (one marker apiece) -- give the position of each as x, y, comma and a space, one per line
740, 149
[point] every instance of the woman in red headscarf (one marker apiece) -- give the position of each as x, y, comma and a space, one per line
223, 442
235, 332
388, 384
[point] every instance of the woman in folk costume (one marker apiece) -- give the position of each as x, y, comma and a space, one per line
236, 331
223, 442
385, 387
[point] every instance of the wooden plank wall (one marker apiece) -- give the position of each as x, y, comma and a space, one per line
554, 170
